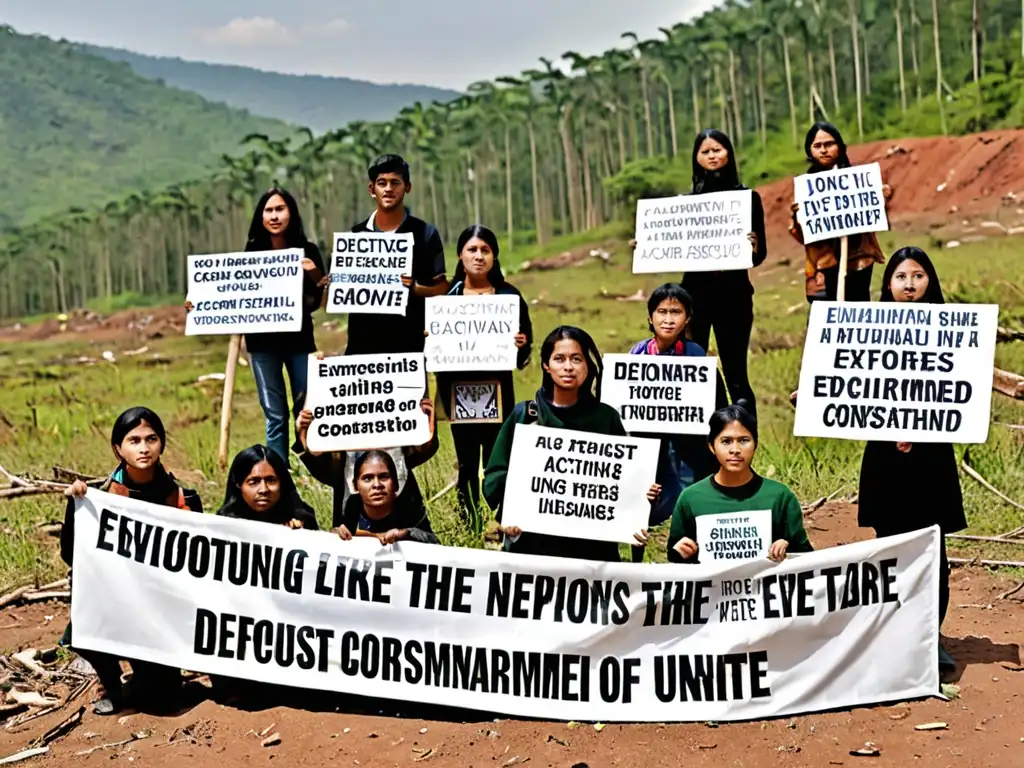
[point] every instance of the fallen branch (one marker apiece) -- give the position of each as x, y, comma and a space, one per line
25, 755
986, 563
14, 596
31, 699
1012, 592
41, 597
973, 474
138, 736
61, 729
27, 659
442, 492
1007, 383
996, 539
1009, 334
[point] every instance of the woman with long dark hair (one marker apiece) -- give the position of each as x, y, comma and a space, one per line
261, 488
825, 151
484, 397
929, 470
566, 400
724, 300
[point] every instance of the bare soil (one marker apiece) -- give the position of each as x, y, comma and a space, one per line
983, 633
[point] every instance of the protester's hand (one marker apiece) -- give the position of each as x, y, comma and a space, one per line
302, 423
76, 490
686, 547
641, 538
752, 237
512, 531
520, 340
795, 206
792, 397
294, 524
904, 447
319, 354
324, 281
777, 551
308, 265
343, 533
408, 282
189, 306
427, 406
886, 191
632, 244
394, 535
653, 493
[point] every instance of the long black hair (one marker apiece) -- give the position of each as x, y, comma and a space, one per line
725, 178
234, 505
843, 161
495, 276
133, 418
933, 295
294, 235
590, 353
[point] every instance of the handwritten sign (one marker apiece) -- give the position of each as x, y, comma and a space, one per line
845, 201
471, 333
734, 536
661, 394
361, 402
694, 233
919, 373
366, 273
252, 292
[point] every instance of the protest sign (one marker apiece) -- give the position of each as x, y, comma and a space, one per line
471, 333
918, 373
520, 635
366, 273
694, 233
361, 402
568, 483
672, 395
841, 202
252, 292
734, 536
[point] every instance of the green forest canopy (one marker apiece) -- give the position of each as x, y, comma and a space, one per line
544, 153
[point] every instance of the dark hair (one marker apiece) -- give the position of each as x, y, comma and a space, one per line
673, 291
259, 238
843, 161
933, 295
384, 456
132, 418
590, 353
242, 466
389, 164
495, 276
725, 178
723, 417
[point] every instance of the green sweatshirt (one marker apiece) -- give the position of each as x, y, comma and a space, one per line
588, 415
709, 498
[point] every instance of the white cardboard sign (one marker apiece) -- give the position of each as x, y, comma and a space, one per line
844, 201
366, 273
471, 333
734, 537
660, 393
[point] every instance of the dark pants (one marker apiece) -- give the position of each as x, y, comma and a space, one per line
943, 568
267, 369
858, 284
473, 446
148, 679
731, 320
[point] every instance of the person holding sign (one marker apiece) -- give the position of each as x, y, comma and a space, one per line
937, 498
137, 440
770, 505
479, 274
826, 150
368, 333
260, 488
377, 509
337, 469
566, 400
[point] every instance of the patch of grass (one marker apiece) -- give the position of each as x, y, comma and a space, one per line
62, 411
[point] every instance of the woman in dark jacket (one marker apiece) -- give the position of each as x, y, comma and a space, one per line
260, 488
137, 440
479, 274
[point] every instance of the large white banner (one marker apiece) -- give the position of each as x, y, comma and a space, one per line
661, 394
471, 333
513, 634
361, 402
366, 272
844, 201
252, 292
568, 483
694, 233
918, 373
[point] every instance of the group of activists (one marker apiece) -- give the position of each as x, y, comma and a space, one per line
375, 491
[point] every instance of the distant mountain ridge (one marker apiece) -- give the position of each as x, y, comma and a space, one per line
321, 103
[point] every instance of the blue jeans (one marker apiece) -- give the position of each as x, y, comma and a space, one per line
266, 368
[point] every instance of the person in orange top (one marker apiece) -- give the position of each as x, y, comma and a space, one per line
826, 150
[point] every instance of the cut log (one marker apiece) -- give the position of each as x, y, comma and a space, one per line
1008, 383
23, 755
27, 659
30, 699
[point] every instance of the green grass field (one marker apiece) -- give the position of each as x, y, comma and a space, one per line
62, 411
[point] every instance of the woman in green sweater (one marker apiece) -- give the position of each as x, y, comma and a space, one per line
736, 488
566, 400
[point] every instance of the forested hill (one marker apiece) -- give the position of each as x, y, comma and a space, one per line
322, 103
77, 130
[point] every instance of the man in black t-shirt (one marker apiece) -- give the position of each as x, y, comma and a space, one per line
380, 334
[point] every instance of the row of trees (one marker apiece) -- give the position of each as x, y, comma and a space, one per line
533, 154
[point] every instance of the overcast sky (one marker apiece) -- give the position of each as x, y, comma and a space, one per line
447, 43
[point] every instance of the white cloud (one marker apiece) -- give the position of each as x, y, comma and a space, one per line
332, 28
257, 30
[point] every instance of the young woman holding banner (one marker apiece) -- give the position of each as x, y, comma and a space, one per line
277, 225
825, 151
137, 440
566, 400
736, 488
932, 467
479, 274
260, 488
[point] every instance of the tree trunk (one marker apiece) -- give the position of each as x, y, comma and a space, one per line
898, 15
915, 26
760, 94
736, 113
938, 64
538, 222
672, 117
508, 187
976, 39
588, 197
832, 66
854, 25
810, 84
621, 135
789, 87
647, 109
695, 90
867, 62
571, 171
723, 113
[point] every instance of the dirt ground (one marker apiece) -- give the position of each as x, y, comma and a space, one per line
983, 633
